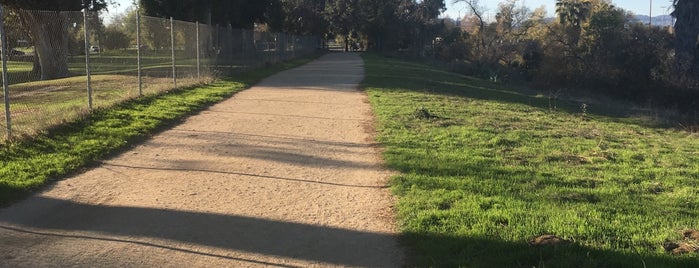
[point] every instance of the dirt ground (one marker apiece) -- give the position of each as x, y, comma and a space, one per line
283, 174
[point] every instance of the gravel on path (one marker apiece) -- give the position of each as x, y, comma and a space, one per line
285, 174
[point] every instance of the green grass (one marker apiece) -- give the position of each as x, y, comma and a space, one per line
29, 164
485, 168
114, 62
36, 106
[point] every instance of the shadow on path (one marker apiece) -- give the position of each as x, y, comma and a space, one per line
268, 237
108, 165
139, 243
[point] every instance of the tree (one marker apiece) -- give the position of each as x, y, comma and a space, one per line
686, 33
304, 17
572, 14
126, 22
14, 34
453, 46
477, 11
114, 38
237, 13
226, 13
343, 18
380, 23
427, 25
46, 29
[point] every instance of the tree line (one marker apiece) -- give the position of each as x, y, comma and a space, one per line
588, 44
380, 25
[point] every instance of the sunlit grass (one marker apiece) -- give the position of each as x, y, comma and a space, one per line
484, 168
32, 162
37, 106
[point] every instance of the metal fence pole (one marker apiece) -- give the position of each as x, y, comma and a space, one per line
87, 59
5, 83
172, 41
198, 53
281, 47
293, 46
139, 52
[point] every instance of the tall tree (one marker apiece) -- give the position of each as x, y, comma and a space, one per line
478, 12
428, 25
304, 17
46, 28
14, 34
572, 14
343, 18
237, 13
226, 13
686, 34
380, 23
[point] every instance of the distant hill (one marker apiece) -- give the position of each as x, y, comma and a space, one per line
664, 20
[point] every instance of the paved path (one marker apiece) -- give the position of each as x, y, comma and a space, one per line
283, 174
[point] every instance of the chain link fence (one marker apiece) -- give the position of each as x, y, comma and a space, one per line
61, 65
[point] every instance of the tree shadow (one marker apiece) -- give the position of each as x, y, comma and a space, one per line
135, 242
411, 77
334, 71
465, 251
307, 153
151, 227
139, 226
288, 140
109, 165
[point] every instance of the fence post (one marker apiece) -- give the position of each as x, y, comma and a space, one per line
230, 52
293, 46
172, 41
198, 53
281, 47
87, 59
138, 51
5, 83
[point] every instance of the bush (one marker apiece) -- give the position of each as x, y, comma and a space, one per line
114, 38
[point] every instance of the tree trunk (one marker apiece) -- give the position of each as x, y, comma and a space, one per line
346, 43
686, 33
46, 29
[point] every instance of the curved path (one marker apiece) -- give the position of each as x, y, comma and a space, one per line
283, 174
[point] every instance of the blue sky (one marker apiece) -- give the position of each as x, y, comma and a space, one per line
641, 7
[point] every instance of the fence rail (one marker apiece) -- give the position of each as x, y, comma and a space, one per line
60, 65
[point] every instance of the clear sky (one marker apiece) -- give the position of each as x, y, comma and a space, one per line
640, 7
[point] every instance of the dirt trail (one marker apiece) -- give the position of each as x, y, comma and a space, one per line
283, 174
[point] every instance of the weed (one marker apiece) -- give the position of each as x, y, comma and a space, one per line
423, 113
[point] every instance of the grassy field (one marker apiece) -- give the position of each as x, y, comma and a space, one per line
109, 64
33, 162
486, 168
37, 106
